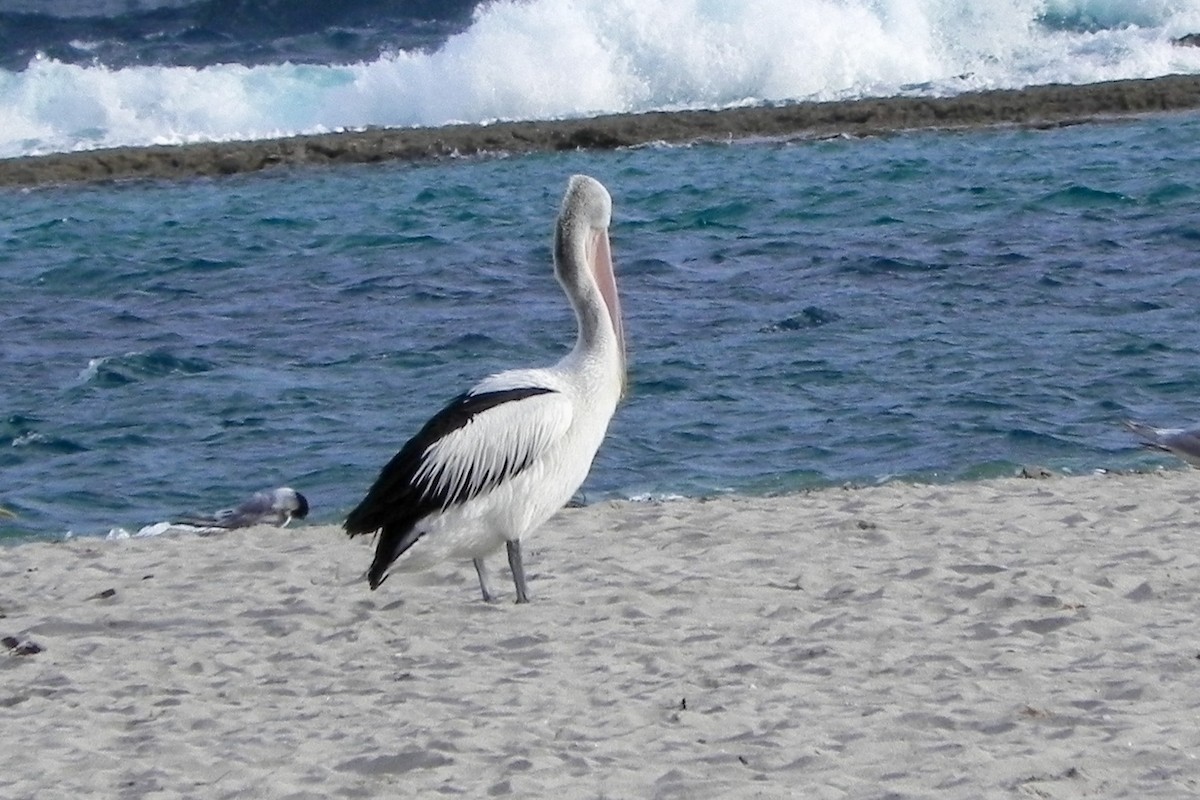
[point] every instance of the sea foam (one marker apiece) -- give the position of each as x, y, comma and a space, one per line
569, 58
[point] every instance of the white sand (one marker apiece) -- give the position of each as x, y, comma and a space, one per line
1013, 638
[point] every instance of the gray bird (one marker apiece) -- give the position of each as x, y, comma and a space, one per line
275, 507
1181, 442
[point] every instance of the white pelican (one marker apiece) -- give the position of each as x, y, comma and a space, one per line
503, 457
1184, 443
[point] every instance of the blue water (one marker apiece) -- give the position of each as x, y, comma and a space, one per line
200, 33
934, 306
84, 74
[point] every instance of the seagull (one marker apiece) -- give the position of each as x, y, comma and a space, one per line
275, 507
504, 456
1184, 443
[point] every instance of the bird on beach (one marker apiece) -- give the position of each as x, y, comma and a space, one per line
504, 456
276, 507
1181, 442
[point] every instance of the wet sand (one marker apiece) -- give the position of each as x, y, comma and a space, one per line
1038, 106
1005, 638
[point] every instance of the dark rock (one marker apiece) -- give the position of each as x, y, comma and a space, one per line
1037, 107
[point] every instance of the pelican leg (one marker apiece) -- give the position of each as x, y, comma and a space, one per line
518, 569
481, 571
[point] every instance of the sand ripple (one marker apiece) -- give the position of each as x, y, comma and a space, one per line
1016, 637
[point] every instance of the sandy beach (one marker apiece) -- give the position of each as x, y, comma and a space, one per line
1024, 638
1039, 106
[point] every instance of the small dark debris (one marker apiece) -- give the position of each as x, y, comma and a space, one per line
743, 760
107, 593
683, 704
1070, 773
21, 648
1035, 472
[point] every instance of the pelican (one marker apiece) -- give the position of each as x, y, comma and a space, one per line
504, 456
1184, 443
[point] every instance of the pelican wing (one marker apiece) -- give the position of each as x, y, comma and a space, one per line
492, 447
474, 444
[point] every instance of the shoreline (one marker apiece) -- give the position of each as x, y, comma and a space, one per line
1038, 106
10, 536
1007, 636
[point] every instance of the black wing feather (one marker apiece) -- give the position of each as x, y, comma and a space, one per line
397, 501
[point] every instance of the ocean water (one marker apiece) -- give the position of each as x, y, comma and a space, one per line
929, 306
79, 74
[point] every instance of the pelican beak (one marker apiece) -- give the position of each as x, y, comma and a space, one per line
602, 268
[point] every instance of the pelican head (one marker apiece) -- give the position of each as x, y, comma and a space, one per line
583, 265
